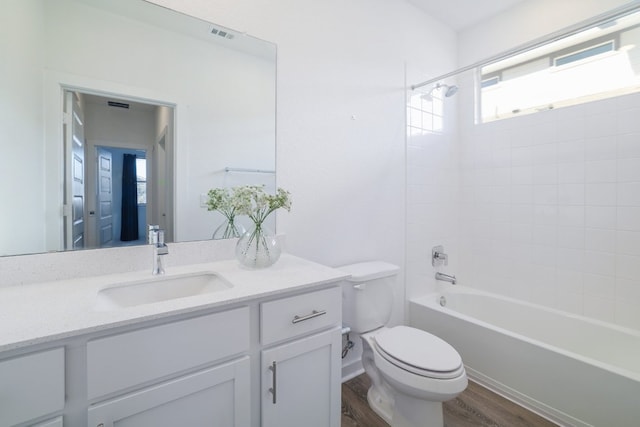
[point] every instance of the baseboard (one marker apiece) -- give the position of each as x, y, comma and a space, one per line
352, 370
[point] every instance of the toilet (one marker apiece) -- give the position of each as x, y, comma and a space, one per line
412, 371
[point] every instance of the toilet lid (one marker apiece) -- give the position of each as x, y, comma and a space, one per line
419, 350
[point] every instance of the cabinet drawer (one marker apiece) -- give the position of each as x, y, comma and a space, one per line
301, 314
126, 360
31, 386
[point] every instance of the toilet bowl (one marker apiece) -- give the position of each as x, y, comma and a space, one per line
412, 372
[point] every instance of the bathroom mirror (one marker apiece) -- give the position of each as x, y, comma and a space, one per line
192, 101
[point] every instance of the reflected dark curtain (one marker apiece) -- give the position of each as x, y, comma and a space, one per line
129, 229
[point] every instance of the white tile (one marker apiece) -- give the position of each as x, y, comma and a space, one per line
601, 171
628, 121
545, 194
545, 214
501, 176
522, 233
603, 148
628, 288
629, 168
570, 259
571, 216
627, 313
571, 237
544, 154
546, 235
599, 308
569, 173
501, 158
628, 242
571, 194
522, 194
569, 301
521, 214
629, 146
569, 281
571, 151
599, 285
570, 128
545, 174
602, 263
628, 266
601, 216
521, 156
522, 175
628, 194
628, 218
601, 194
600, 239
601, 125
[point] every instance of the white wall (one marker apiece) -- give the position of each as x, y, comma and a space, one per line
21, 121
341, 134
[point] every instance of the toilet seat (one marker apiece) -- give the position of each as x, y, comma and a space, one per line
419, 352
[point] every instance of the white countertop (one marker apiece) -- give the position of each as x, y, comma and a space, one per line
43, 312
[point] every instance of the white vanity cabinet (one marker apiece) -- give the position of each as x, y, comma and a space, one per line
213, 395
263, 353
301, 376
31, 387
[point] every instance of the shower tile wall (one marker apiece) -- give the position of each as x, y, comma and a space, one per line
543, 207
549, 208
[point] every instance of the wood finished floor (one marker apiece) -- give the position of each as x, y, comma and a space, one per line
476, 406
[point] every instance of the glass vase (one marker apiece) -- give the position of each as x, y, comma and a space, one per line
258, 247
228, 230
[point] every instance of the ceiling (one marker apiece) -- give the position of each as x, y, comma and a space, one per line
460, 14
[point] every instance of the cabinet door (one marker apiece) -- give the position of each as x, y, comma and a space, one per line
301, 382
214, 397
31, 386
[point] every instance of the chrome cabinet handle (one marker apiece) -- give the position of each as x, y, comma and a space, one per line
272, 390
314, 313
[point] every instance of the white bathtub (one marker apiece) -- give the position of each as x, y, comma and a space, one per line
570, 369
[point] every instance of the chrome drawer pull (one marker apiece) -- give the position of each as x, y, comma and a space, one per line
314, 313
272, 390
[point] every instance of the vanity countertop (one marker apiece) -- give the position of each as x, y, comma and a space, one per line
43, 312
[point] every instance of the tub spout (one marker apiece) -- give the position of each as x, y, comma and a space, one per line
446, 278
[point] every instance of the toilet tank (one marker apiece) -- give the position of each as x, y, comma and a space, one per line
368, 295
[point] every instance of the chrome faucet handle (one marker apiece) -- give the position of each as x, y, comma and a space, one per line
438, 257
162, 247
152, 236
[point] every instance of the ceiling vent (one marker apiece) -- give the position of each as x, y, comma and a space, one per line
118, 104
221, 33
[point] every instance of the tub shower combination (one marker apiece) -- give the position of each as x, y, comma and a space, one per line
571, 369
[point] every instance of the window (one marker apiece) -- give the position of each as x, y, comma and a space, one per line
141, 178
595, 63
425, 112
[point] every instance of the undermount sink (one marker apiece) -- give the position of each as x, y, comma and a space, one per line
160, 288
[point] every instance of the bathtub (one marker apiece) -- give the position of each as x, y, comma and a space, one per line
570, 369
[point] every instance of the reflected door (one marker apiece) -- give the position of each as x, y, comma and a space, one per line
105, 198
75, 187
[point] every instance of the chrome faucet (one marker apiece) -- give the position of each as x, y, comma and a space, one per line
446, 278
156, 238
438, 257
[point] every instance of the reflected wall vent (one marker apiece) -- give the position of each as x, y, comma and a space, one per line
118, 104
221, 33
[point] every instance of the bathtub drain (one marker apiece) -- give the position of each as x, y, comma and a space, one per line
443, 301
